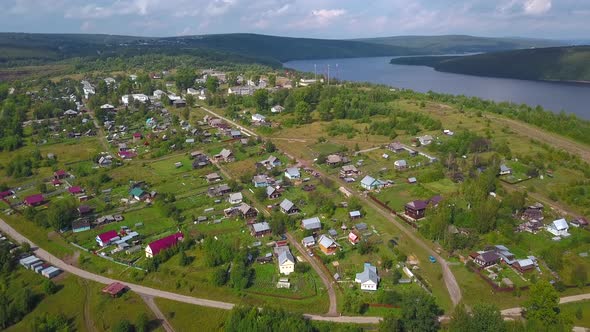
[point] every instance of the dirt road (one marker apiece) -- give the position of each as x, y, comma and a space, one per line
326, 279
517, 312
149, 301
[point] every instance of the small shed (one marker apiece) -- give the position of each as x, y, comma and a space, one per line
115, 289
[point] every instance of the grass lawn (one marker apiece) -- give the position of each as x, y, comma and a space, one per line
570, 309
187, 317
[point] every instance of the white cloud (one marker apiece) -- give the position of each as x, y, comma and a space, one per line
327, 14
536, 7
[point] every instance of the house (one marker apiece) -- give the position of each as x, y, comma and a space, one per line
348, 171
136, 137
60, 174
225, 155
524, 265
425, 140
327, 245
219, 190
287, 207
260, 181
212, 177
241, 90
235, 134
34, 200
370, 183
286, 262
115, 289
107, 107
158, 94
200, 161
368, 279
260, 229
400, 164
56, 182
579, 222
485, 258
283, 283
270, 162
247, 211
308, 241
258, 118
235, 198
292, 173
353, 238
412, 180
167, 242
355, 215
396, 147
311, 224
105, 161
534, 212
416, 209
106, 238
333, 160
277, 109
84, 210
448, 132
559, 228
75, 190
505, 170
532, 226
272, 192
70, 113
80, 226
137, 193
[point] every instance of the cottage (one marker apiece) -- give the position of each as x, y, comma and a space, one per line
505, 170
84, 210
80, 226
106, 238
260, 181
167, 242
200, 161
579, 222
416, 209
178, 103
370, 183
258, 118
277, 109
485, 258
115, 289
425, 140
333, 160
311, 224
246, 211
348, 171
260, 229
272, 192
219, 190
287, 207
75, 190
270, 162
559, 228
286, 262
396, 147
107, 107
292, 173
235, 134
353, 238
137, 193
532, 226
60, 174
368, 279
235, 198
524, 265
355, 215
308, 241
213, 177
225, 155
34, 200
412, 180
327, 245
400, 164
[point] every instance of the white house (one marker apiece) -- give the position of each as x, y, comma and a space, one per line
258, 118
235, 198
286, 262
425, 140
126, 99
158, 94
277, 109
370, 183
559, 227
368, 279
293, 173
505, 170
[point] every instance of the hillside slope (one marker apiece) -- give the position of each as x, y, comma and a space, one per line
555, 64
457, 44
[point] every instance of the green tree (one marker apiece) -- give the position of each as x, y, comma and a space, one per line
185, 78
219, 277
142, 323
419, 312
390, 323
190, 100
543, 304
49, 287
212, 83
261, 100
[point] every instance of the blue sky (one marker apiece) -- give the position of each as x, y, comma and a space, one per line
564, 19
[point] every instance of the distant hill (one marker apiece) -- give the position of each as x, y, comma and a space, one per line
460, 44
554, 63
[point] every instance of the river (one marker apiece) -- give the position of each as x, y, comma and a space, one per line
569, 97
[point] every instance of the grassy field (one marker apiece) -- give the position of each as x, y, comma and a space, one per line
573, 311
186, 317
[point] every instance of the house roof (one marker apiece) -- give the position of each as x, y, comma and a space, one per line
334, 158
236, 133
212, 176
349, 168
326, 241
60, 172
352, 236
287, 205
34, 199
504, 168
107, 236
235, 197
368, 180
311, 223
114, 288
225, 153
165, 243
293, 171
270, 190
401, 163
355, 213
525, 262
488, 256
361, 226
308, 240
560, 224
368, 274
75, 190
136, 192
396, 146
417, 205
244, 208
286, 256
261, 227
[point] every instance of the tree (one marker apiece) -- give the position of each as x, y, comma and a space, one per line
419, 312
212, 83
219, 277
260, 194
261, 100
543, 304
396, 276
183, 260
142, 323
190, 100
270, 146
49, 287
123, 326
185, 78
487, 318
390, 323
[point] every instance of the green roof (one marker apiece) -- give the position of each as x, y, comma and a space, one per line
137, 192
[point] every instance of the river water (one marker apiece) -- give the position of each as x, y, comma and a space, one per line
569, 97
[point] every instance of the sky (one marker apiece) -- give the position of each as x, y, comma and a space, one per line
340, 19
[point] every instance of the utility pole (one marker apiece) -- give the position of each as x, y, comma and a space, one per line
328, 74
315, 72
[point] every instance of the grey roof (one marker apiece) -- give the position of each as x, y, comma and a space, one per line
369, 273
270, 190
244, 208
326, 241
236, 133
361, 226
225, 153
311, 223
287, 205
259, 179
332, 232
235, 196
293, 171
285, 256
308, 240
559, 224
504, 168
261, 227
355, 213
401, 163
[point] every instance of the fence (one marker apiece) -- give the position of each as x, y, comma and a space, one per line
392, 211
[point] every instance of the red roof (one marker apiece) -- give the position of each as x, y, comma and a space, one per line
34, 199
55, 182
137, 135
5, 194
107, 236
114, 288
127, 154
60, 172
75, 190
165, 243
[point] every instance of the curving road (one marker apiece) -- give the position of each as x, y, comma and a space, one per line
517, 312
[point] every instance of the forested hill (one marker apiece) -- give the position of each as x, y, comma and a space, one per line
460, 44
555, 64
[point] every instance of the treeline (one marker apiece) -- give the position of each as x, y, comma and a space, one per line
233, 264
13, 111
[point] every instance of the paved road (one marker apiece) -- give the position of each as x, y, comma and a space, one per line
242, 128
149, 300
326, 279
